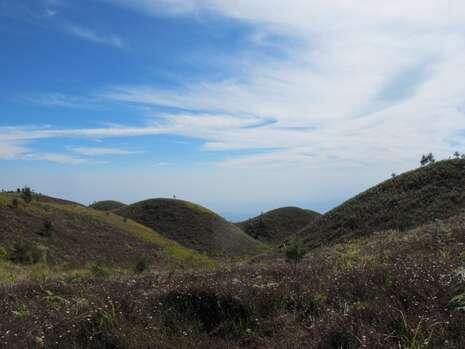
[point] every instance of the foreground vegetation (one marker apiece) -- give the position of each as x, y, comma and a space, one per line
392, 289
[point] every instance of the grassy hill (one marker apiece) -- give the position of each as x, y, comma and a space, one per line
277, 225
70, 236
108, 205
192, 226
436, 191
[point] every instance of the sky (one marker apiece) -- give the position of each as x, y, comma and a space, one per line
239, 105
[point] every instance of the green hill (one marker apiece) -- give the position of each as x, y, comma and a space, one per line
192, 226
72, 236
277, 225
108, 205
436, 191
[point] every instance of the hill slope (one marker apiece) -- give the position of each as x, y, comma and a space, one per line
388, 290
108, 205
277, 225
192, 226
73, 236
436, 191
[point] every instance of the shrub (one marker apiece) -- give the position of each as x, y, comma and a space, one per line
26, 194
295, 252
47, 228
209, 312
340, 339
14, 203
427, 159
142, 265
458, 302
99, 270
3, 253
26, 253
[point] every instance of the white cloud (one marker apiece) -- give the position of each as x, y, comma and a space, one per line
54, 157
11, 149
98, 151
90, 35
379, 81
62, 100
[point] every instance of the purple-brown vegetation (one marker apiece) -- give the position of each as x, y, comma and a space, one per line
388, 290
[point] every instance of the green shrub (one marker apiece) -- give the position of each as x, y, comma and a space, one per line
3, 253
26, 194
24, 252
14, 203
295, 252
99, 270
458, 302
142, 265
206, 312
47, 228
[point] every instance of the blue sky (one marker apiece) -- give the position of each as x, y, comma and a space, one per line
241, 105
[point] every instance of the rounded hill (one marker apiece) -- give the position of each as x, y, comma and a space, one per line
108, 205
276, 225
417, 197
192, 226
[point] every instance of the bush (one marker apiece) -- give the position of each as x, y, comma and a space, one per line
99, 270
210, 313
26, 253
26, 194
14, 203
142, 265
295, 252
47, 228
3, 253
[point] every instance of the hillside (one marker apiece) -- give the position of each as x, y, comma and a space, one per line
436, 191
108, 205
386, 290
53, 200
72, 236
277, 225
192, 226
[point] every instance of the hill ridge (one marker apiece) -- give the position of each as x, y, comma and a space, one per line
416, 197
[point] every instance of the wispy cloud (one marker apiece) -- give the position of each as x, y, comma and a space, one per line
99, 151
55, 157
31, 11
11, 149
92, 36
378, 81
62, 100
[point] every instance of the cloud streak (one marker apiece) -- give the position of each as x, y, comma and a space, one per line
100, 151
92, 36
375, 81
